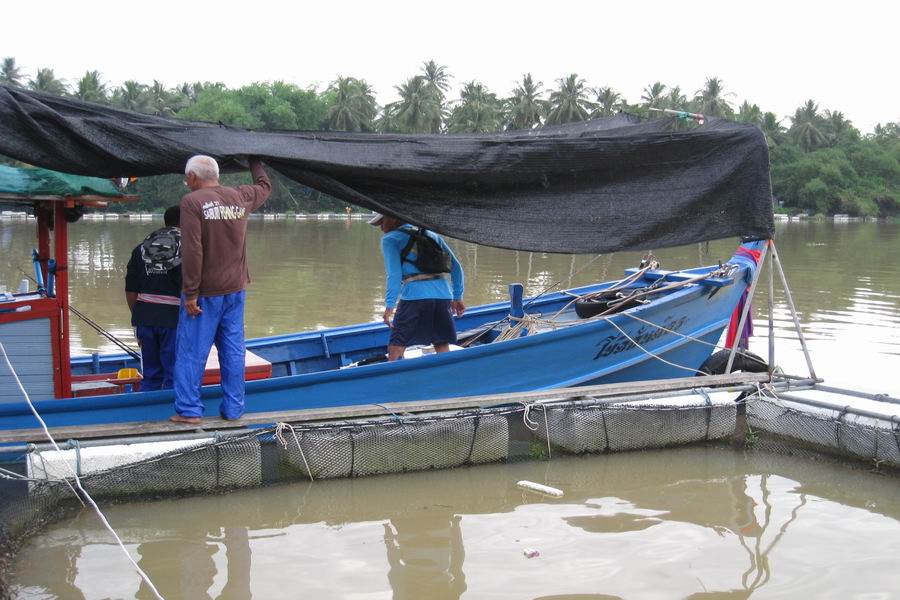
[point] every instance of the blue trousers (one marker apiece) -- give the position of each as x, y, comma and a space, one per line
157, 357
221, 323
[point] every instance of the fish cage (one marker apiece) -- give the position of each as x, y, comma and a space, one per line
535, 428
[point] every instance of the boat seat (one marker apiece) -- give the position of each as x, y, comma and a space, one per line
255, 368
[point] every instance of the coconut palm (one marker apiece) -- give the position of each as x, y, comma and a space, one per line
773, 129
91, 88
131, 96
676, 100
438, 81
608, 101
569, 103
354, 105
10, 73
654, 95
749, 113
525, 108
806, 127
839, 127
163, 102
45, 81
387, 122
477, 111
711, 100
419, 110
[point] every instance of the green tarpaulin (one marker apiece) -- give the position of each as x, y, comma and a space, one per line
27, 182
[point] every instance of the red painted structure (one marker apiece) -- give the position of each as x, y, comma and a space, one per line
52, 233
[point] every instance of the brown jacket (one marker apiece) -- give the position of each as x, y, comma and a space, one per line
213, 235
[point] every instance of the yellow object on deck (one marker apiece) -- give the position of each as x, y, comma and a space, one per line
129, 373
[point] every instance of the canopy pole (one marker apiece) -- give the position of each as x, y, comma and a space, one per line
747, 304
790, 300
771, 313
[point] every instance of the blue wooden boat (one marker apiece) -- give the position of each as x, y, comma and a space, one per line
644, 340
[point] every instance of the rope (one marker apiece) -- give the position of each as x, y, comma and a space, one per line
687, 337
84, 492
657, 357
279, 435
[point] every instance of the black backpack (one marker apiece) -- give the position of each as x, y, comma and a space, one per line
431, 258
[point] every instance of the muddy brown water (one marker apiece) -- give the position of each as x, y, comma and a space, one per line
684, 523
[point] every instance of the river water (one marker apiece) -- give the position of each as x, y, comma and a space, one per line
694, 522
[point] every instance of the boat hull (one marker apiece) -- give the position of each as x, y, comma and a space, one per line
622, 348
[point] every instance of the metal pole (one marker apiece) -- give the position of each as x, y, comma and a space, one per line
790, 300
746, 311
771, 314
836, 407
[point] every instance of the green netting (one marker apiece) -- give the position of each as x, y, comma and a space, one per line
28, 182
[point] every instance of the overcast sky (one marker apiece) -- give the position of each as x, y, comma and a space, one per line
775, 54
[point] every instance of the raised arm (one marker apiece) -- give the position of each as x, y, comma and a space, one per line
256, 195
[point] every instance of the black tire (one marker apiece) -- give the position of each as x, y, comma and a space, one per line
746, 362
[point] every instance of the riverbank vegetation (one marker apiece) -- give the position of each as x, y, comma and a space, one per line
821, 163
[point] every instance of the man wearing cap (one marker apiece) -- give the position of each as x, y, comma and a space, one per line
153, 293
426, 301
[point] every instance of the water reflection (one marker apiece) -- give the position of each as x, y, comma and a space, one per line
687, 523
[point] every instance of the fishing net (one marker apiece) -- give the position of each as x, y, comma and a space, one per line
835, 432
406, 443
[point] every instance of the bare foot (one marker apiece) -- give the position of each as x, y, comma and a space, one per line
188, 420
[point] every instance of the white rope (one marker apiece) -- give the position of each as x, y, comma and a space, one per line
279, 435
657, 357
687, 337
78, 479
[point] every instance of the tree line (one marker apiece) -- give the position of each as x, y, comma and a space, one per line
820, 162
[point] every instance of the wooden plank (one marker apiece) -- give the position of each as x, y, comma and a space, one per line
383, 409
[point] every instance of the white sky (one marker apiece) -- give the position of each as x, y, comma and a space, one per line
775, 54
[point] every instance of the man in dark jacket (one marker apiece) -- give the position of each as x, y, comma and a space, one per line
153, 293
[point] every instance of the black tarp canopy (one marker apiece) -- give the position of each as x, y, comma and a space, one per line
597, 186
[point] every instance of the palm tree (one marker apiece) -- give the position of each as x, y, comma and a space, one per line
771, 126
419, 110
839, 127
478, 111
676, 100
654, 95
91, 88
10, 73
608, 100
45, 81
711, 100
162, 102
526, 109
354, 107
806, 127
569, 103
438, 82
131, 96
749, 113
387, 122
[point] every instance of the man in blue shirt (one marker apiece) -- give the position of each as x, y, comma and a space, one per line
426, 302
153, 293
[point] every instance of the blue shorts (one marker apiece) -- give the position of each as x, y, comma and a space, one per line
423, 322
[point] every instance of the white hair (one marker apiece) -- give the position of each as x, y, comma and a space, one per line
204, 167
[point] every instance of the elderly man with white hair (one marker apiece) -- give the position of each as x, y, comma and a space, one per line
214, 275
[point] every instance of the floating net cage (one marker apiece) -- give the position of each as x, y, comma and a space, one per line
408, 443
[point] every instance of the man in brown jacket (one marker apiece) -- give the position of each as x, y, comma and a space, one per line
214, 275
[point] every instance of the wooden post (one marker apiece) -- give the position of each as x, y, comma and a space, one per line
61, 250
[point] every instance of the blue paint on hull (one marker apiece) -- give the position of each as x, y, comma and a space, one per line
590, 352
